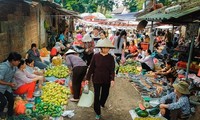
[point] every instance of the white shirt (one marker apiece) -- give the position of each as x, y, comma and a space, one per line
149, 61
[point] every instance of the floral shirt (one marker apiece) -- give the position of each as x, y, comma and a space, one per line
182, 102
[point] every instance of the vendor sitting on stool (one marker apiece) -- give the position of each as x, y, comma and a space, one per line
169, 71
176, 106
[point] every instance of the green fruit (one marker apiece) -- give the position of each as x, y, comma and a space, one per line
146, 104
154, 111
28, 111
137, 109
142, 113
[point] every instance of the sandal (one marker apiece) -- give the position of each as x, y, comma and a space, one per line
74, 100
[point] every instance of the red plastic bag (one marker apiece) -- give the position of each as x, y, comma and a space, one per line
71, 89
20, 107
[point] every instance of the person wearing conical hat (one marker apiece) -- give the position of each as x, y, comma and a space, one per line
179, 107
102, 37
78, 68
102, 70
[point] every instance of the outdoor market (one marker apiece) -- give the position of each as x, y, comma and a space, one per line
58, 63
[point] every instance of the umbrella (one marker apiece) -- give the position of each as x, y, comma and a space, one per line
142, 24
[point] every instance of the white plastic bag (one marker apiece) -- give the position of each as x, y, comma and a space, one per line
86, 89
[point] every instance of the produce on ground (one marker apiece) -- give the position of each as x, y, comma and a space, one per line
137, 109
48, 109
60, 81
129, 67
142, 113
55, 93
147, 118
141, 106
154, 111
57, 71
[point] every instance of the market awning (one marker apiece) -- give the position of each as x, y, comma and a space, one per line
69, 13
162, 14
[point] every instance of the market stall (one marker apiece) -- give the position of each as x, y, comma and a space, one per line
151, 85
51, 101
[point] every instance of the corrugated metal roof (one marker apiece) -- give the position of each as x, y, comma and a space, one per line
160, 14
128, 16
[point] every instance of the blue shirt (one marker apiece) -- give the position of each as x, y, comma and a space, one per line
183, 103
29, 69
6, 74
34, 56
62, 38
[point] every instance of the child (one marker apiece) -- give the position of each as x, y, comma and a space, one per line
102, 70
31, 69
78, 41
169, 71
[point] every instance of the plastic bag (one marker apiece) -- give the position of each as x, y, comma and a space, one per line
44, 52
86, 89
57, 60
71, 89
20, 107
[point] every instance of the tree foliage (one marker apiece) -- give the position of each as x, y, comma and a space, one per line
80, 6
140, 4
105, 5
167, 2
133, 5
89, 5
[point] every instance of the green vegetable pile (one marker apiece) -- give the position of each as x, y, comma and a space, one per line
57, 71
144, 113
130, 67
21, 117
48, 109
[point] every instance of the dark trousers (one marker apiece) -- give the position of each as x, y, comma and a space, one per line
77, 77
88, 58
118, 59
146, 67
174, 114
101, 92
4, 98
